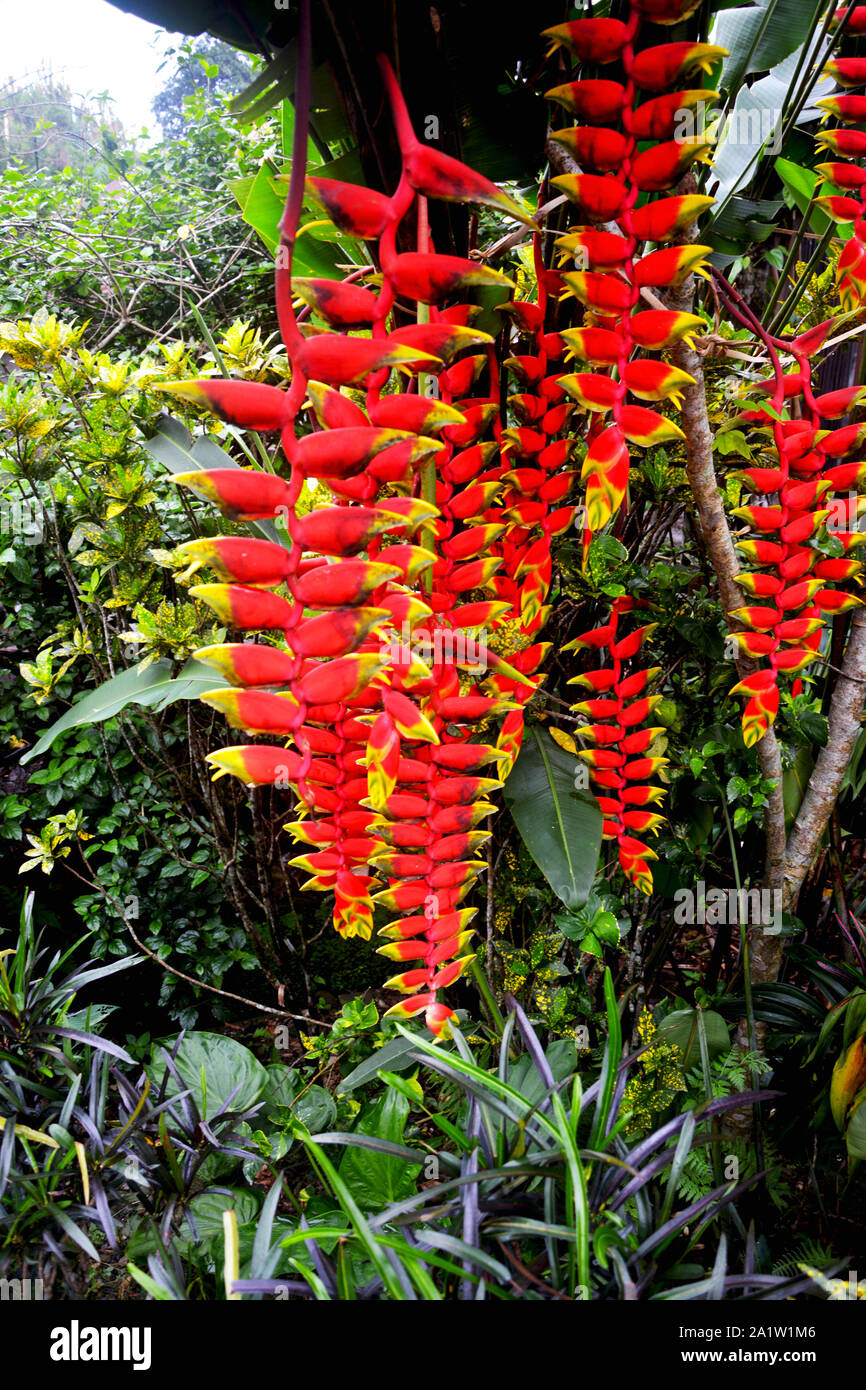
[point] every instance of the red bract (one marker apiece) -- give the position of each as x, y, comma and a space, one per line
590, 40
850, 108
596, 148
242, 493
597, 199
661, 220
249, 404
361, 212
662, 166
342, 305
379, 680
340, 361
428, 278
662, 118
666, 64
784, 629
599, 101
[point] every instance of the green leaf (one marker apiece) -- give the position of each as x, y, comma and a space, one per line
193, 677
572, 928
282, 1086
524, 1076
208, 1207
376, 1179
795, 779
262, 208
149, 1285
855, 1133
559, 824
315, 1108
148, 686
800, 183
211, 1067
396, 1055
754, 126
681, 1029
606, 928
174, 448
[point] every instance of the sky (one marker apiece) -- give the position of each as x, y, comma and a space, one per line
91, 44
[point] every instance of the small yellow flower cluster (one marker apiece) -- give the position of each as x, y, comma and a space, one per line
652, 1088
509, 639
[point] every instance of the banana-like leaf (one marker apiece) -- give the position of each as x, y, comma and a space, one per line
758, 37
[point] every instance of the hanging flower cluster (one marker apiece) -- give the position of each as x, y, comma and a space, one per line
376, 680
619, 762
794, 590
373, 685
845, 144
647, 155
533, 479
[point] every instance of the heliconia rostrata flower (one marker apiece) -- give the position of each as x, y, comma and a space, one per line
620, 761
847, 143
610, 275
814, 475
794, 591
374, 682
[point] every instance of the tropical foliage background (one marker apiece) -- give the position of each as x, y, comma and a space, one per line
200, 1097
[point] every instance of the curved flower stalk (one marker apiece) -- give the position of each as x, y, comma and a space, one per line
372, 678
615, 173
618, 762
794, 590
847, 143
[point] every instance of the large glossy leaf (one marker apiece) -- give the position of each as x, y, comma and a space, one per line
681, 1029
260, 207
795, 780
396, 1055
262, 201
559, 823
377, 1179
150, 686
745, 219
173, 446
211, 1068
286, 1093
208, 1207
855, 1134
800, 184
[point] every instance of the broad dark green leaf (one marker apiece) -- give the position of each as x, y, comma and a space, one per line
209, 1063
559, 823
760, 36
375, 1179
681, 1029
396, 1055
